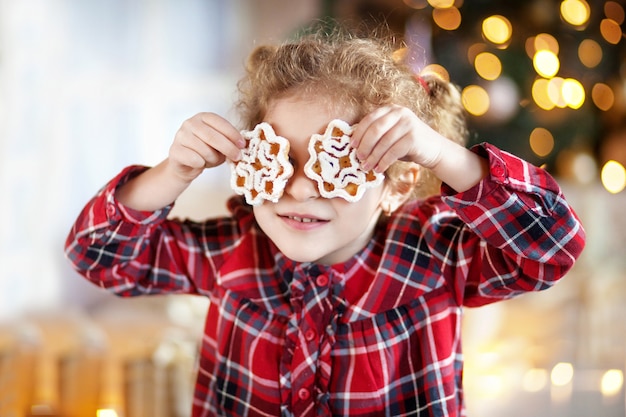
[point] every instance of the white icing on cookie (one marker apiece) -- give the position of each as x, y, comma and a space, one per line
264, 167
334, 166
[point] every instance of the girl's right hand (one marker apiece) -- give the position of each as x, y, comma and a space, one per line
203, 141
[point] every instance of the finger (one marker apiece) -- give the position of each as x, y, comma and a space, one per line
210, 140
224, 127
391, 146
392, 154
212, 145
187, 157
377, 134
364, 125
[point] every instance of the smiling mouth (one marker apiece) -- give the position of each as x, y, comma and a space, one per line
303, 219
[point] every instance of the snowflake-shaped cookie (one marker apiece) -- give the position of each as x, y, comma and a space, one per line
264, 167
334, 166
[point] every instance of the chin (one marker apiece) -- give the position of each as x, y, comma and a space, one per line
300, 257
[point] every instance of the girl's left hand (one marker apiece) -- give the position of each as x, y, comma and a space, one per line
392, 133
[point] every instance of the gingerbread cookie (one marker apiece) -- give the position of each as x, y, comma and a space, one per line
264, 167
334, 166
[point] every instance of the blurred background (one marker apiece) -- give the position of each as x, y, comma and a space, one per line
88, 87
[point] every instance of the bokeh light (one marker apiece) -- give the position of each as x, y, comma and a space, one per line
579, 165
448, 18
555, 92
540, 94
503, 99
474, 50
475, 100
612, 382
573, 93
614, 11
613, 176
546, 63
562, 374
497, 29
575, 12
602, 96
488, 66
541, 141
545, 41
611, 31
590, 53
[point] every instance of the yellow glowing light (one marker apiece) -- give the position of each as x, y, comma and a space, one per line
555, 92
441, 4
437, 70
602, 96
540, 94
573, 93
611, 31
613, 176
575, 12
545, 41
614, 11
106, 412
497, 29
488, 66
562, 374
546, 63
475, 100
474, 50
612, 382
535, 380
541, 141
590, 53
448, 18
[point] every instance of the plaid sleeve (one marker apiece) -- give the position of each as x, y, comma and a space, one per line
132, 252
529, 235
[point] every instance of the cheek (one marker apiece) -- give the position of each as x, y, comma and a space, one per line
262, 215
360, 212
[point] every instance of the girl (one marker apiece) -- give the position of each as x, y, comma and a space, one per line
320, 306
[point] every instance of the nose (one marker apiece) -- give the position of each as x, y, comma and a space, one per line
300, 187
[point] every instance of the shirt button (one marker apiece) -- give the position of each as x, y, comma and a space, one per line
322, 280
111, 210
309, 335
304, 394
497, 171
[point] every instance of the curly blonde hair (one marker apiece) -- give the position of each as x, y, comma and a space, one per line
360, 72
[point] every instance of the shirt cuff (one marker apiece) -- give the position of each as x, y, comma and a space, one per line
498, 175
115, 212
508, 174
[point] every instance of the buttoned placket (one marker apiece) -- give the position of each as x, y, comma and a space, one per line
307, 333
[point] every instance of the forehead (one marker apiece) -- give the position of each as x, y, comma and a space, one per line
298, 116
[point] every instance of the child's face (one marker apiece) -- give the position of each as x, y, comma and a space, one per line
305, 226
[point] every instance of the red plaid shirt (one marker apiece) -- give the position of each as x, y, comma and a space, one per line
378, 335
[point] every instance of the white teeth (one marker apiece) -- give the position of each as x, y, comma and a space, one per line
302, 219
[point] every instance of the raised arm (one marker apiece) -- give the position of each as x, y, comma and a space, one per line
203, 141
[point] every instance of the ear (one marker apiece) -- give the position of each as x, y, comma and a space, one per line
399, 187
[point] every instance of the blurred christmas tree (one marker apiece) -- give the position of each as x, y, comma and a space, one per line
543, 79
